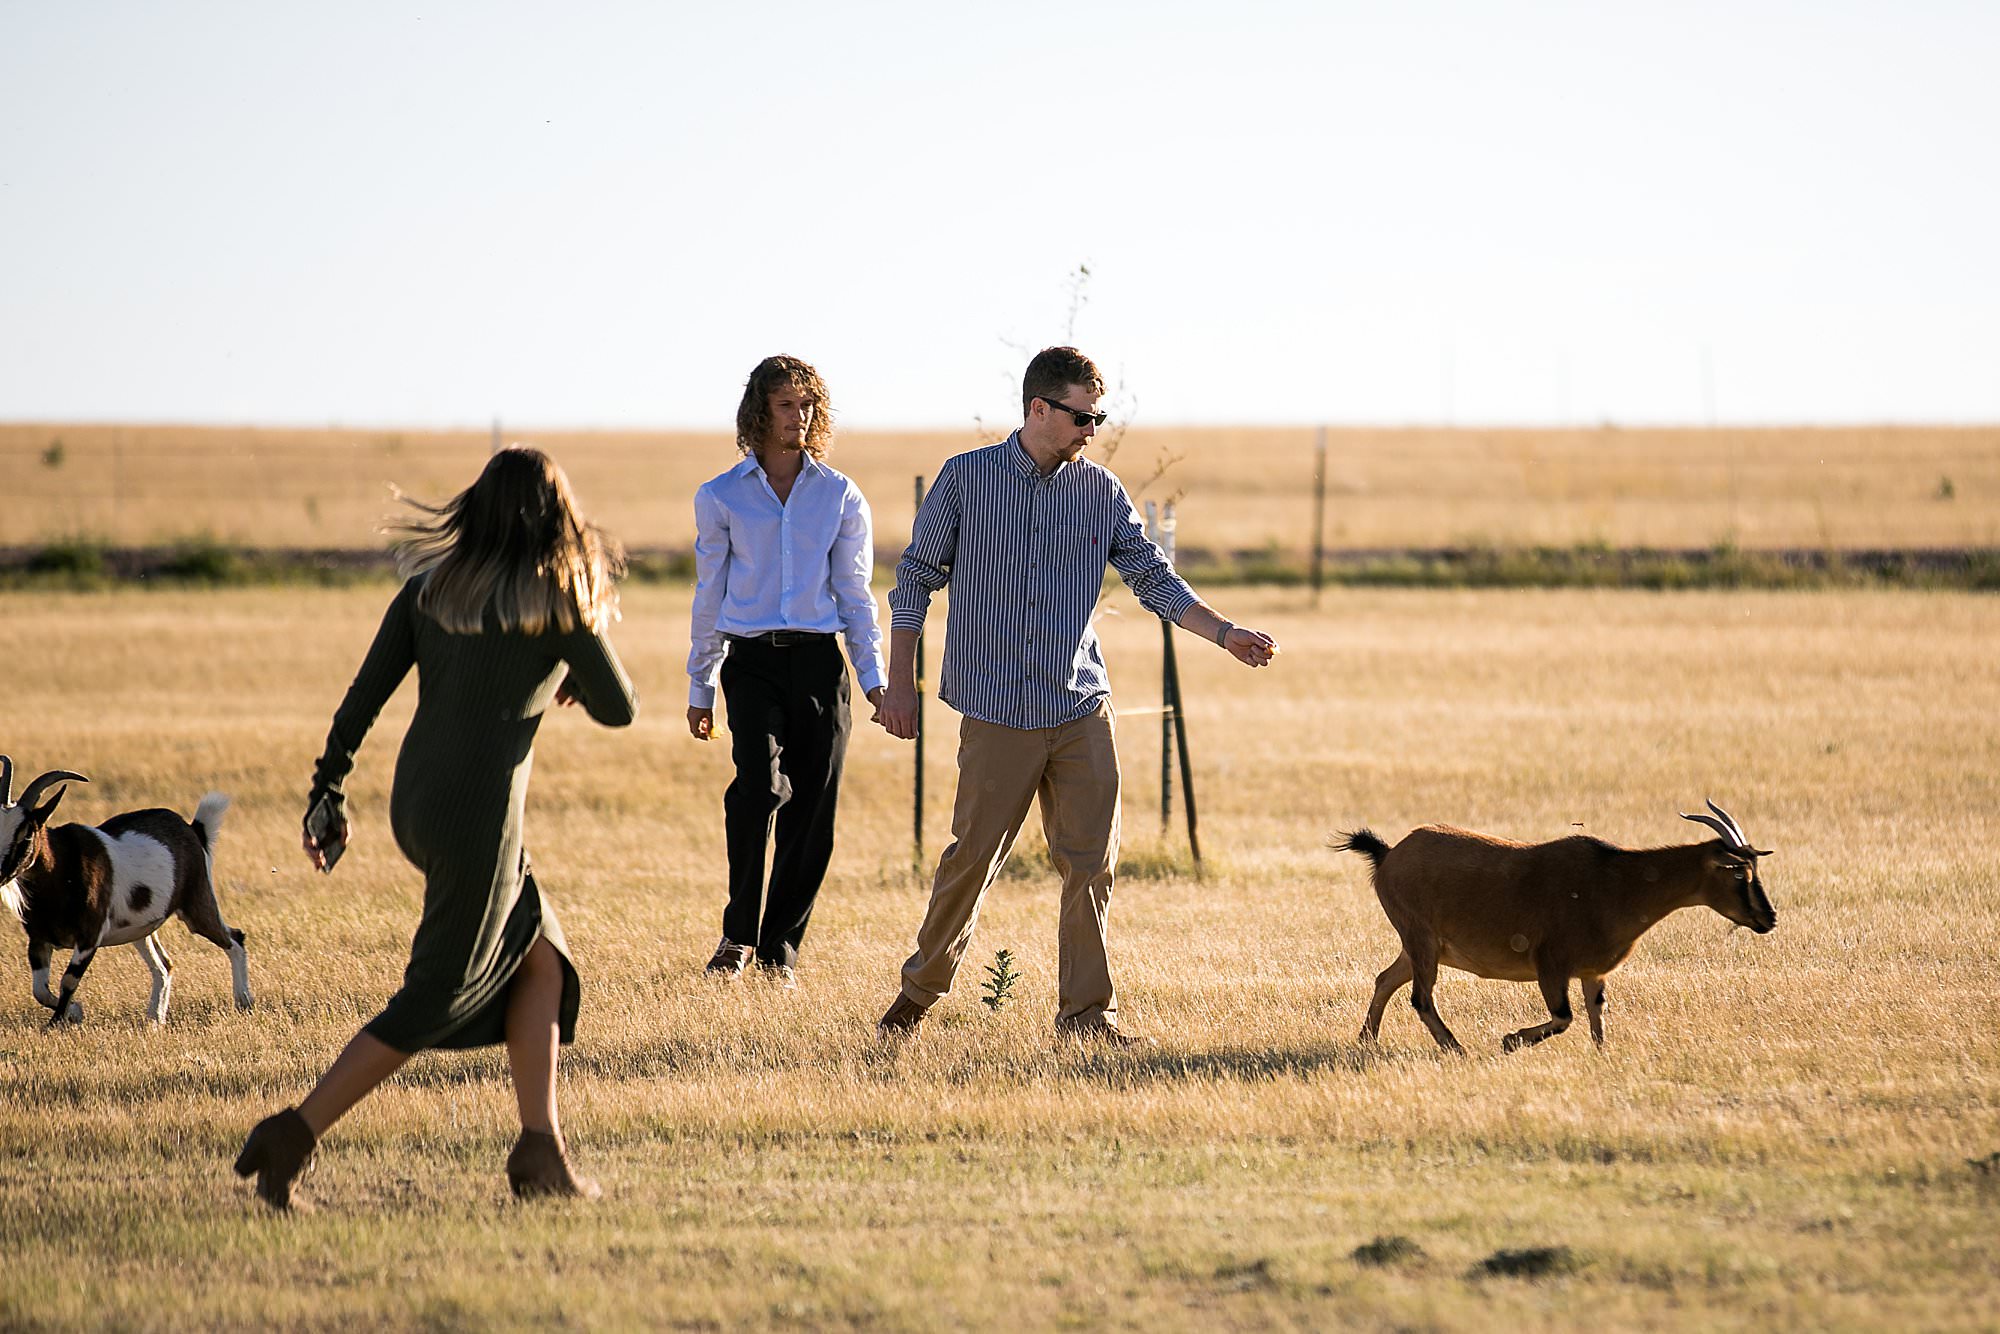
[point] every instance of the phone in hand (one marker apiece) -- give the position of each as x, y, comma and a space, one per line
327, 828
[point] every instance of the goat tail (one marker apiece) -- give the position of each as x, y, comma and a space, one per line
207, 820
1364, 842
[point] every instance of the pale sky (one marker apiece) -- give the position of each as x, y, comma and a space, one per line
1480, 211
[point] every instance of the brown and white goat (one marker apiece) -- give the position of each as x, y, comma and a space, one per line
113, 884
1543, 912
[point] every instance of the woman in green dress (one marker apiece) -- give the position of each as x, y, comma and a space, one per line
508, 596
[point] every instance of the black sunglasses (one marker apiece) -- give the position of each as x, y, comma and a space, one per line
1078, 415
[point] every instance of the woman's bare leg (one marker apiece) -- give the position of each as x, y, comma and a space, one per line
365, 1062
534, 1003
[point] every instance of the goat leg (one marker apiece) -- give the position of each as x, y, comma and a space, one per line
1593, 1006
1423, 969
1555, 993
162, 969
204, 917
39, 954
1387, 983
79, 963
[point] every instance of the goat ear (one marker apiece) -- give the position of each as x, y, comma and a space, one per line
40, 814
1763, 852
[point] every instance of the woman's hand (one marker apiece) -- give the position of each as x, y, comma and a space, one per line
313, 852
701, 722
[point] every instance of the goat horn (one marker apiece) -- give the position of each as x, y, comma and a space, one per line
46, 781
6, 781
1730, 820
1728, 838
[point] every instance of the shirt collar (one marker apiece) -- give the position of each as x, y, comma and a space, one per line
751, 464
1024, 462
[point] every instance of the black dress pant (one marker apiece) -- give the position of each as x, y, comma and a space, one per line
788, 726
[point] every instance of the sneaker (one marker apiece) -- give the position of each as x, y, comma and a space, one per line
1104, 1031
730, 958
779, 975
902, 1018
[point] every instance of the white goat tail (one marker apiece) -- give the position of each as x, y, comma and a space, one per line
208, 818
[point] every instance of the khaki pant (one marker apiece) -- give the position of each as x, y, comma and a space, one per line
1074, 769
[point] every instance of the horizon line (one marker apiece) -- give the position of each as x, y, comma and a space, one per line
973, 425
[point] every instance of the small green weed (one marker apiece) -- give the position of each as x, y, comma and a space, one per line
1001, 975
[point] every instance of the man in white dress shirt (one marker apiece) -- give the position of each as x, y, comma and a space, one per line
784, 548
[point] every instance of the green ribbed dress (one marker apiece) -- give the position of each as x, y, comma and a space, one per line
457, 804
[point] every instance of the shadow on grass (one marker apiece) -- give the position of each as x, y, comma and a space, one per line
1160, 1065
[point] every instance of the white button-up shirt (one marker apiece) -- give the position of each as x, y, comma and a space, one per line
761, 564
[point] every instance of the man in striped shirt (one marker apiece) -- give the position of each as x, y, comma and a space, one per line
1022, 531
783, 553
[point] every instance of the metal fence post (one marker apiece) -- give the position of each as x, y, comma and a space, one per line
917, 787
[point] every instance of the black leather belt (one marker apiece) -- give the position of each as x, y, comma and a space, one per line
781, 638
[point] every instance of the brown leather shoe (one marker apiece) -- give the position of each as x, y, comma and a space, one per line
539, 1165
730, 958
902, 1018
279, 1151
1101, 1030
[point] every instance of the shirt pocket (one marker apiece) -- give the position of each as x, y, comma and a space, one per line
1078, 543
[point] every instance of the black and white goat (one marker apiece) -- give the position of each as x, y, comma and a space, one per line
114, 884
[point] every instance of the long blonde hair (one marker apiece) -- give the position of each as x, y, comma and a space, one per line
513, 542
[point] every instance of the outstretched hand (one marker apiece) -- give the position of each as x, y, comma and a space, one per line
1253, 648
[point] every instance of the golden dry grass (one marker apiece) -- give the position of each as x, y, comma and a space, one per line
1777, 1135
1247, 488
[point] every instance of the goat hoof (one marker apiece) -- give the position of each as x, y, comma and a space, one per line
245, 1003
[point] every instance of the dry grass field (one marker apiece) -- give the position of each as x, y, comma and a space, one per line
1790, 1131
1248, 488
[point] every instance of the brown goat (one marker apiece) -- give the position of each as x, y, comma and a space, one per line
1543, 912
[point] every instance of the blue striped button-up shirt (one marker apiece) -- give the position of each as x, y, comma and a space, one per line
800, 564
1025, 556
